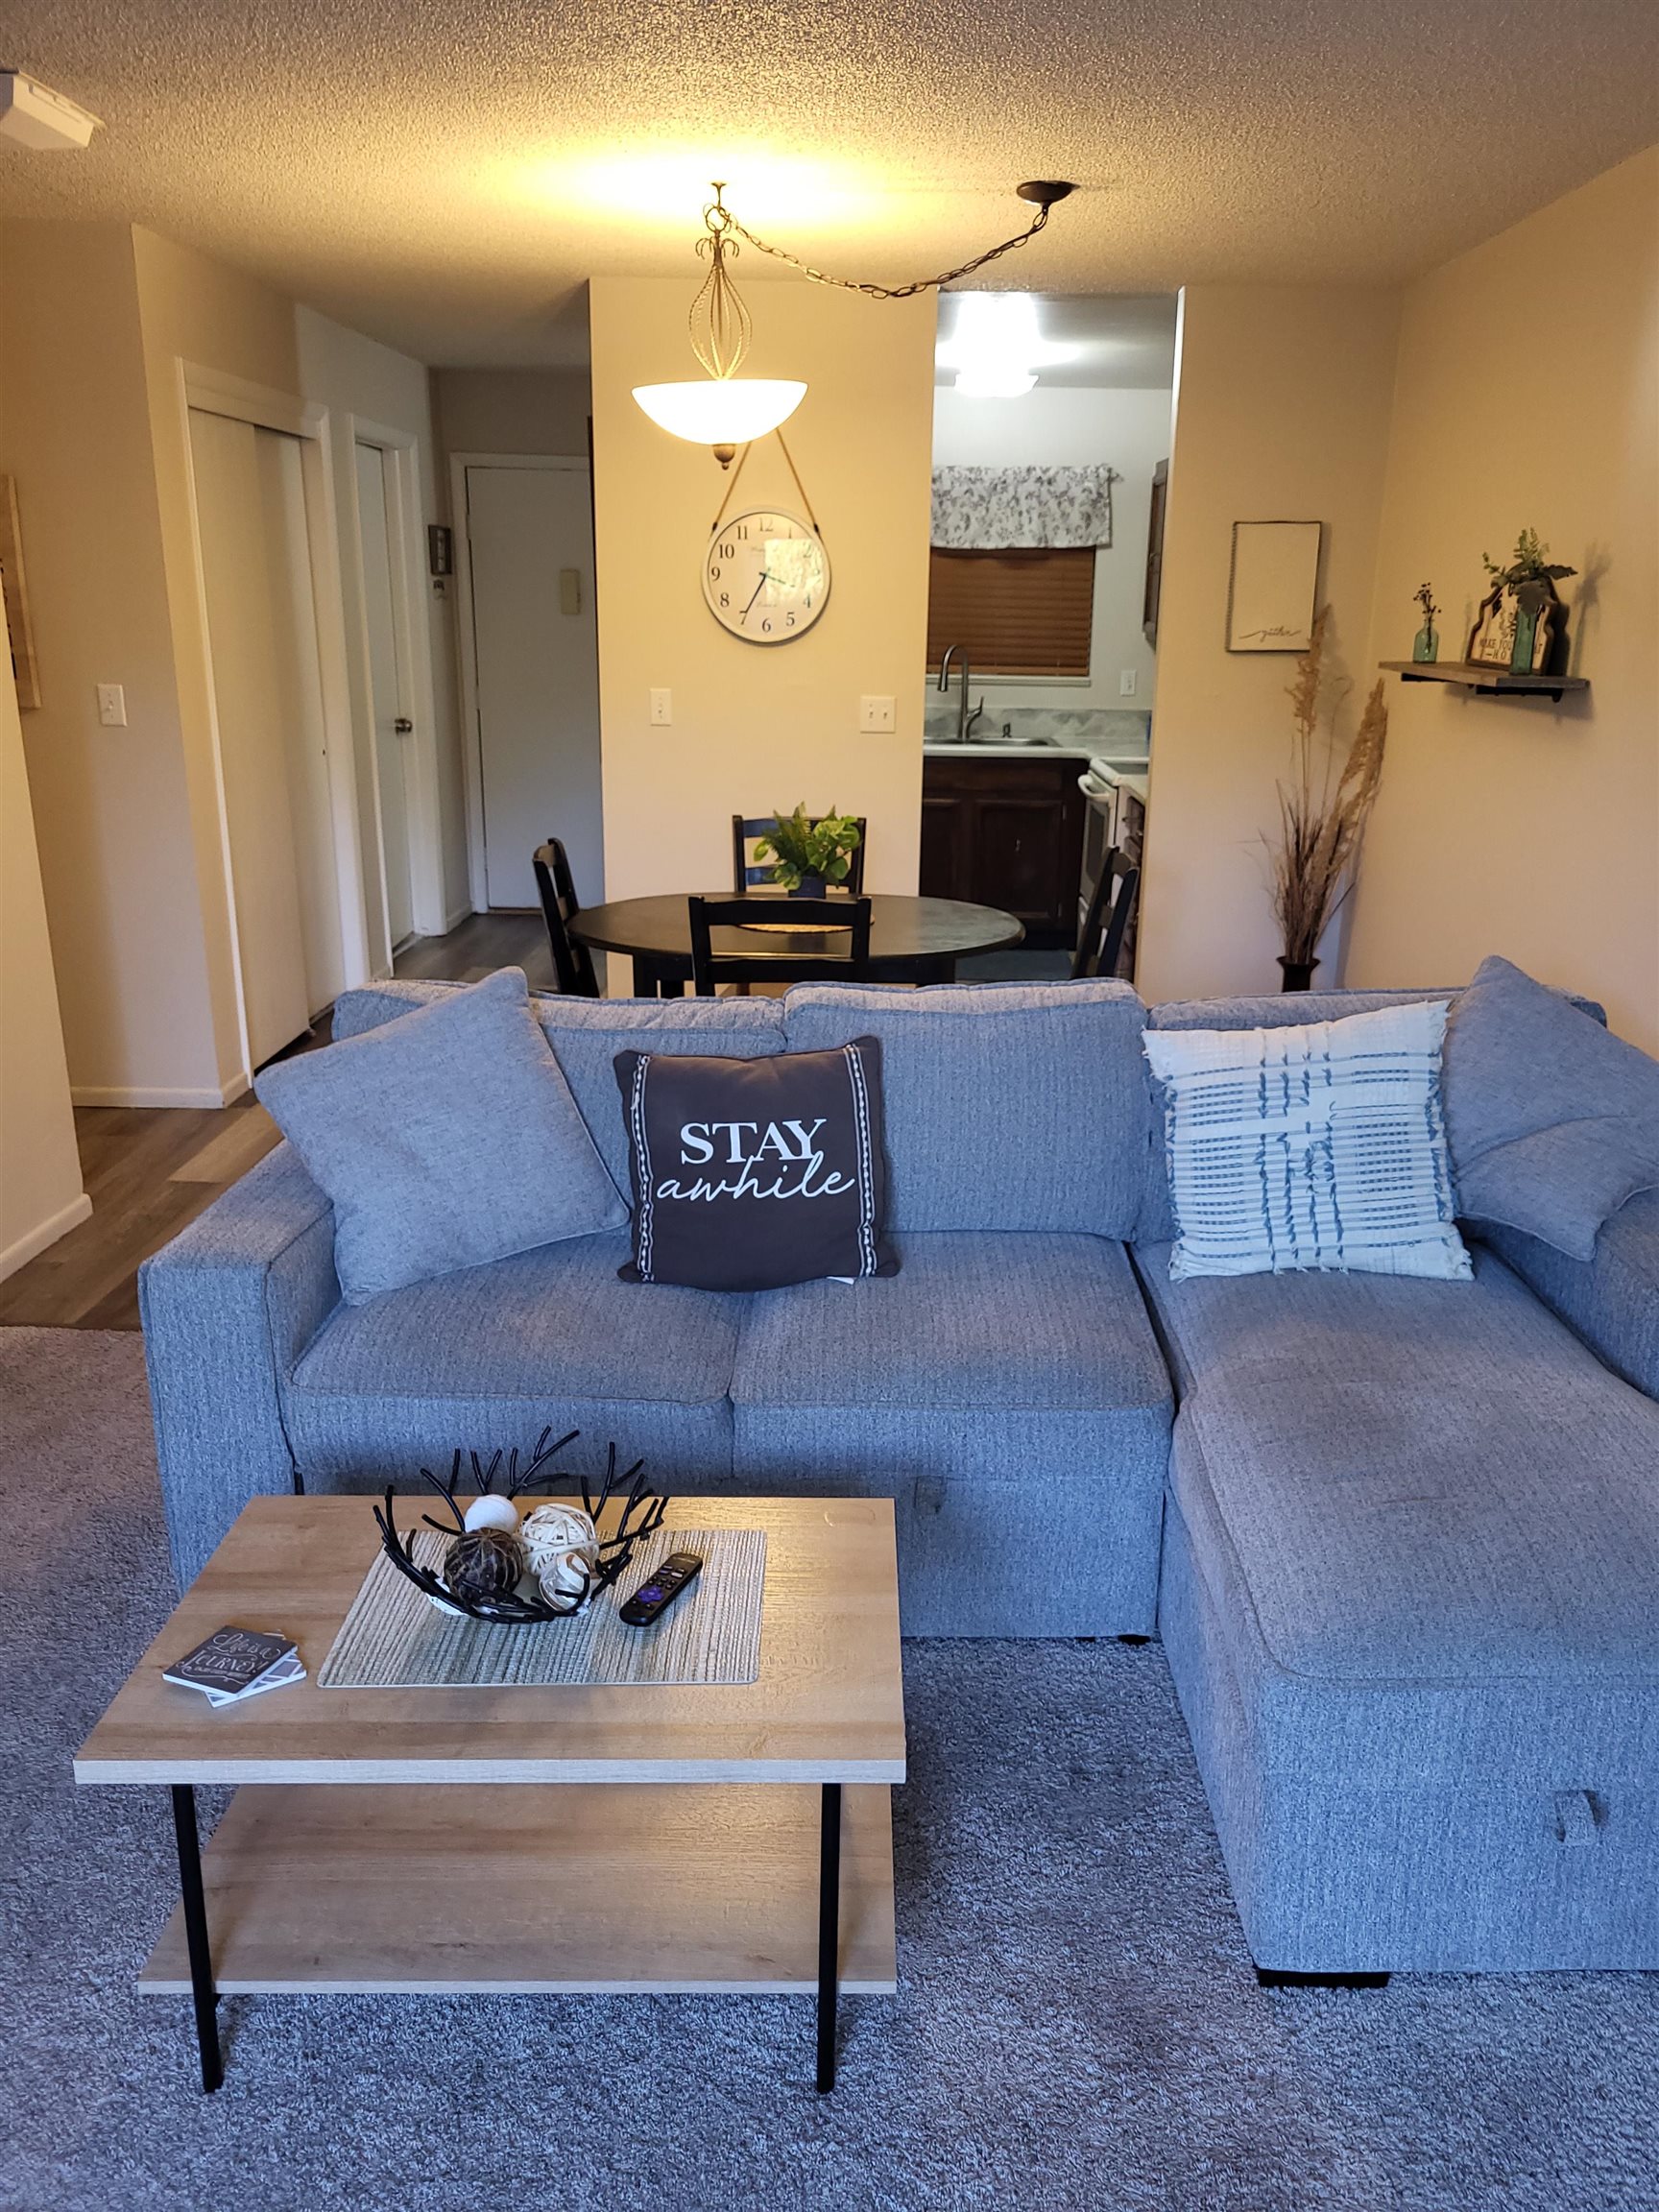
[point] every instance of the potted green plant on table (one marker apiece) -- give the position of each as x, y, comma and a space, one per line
809, 853
1322, 813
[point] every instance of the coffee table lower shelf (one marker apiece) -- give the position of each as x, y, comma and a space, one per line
540, 1889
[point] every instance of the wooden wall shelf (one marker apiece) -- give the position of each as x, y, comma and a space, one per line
1485, 678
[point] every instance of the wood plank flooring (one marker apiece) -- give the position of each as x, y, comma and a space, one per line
149, 1170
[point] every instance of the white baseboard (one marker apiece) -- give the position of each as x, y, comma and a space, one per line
22, 1249
142, 1095
459, 914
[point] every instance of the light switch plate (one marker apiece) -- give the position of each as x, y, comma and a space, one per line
661, 707
112, 706
876, 711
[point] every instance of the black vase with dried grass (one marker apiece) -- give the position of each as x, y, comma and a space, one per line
1322, 814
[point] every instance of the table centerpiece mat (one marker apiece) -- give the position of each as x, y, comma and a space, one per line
394, 1638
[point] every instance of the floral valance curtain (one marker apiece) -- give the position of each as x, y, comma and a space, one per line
988, 510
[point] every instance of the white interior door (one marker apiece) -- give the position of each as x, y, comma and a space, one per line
273, 737
392, 725
531, 547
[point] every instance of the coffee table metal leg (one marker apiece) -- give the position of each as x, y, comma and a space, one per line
195, 1903
829, 1930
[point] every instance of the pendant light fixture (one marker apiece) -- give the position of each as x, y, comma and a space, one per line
724, 410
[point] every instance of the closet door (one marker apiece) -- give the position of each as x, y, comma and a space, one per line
268, 707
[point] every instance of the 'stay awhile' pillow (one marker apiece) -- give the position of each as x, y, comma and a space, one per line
1316, 1147
752, 1174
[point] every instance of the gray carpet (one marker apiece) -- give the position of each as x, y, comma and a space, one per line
1076, 2025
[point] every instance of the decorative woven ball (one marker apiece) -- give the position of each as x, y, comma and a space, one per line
491, 1512
483, 1564
562, 1547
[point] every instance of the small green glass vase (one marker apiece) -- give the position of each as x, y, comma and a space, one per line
1425, 645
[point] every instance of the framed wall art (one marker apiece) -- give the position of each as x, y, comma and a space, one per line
1274, 587
24, 673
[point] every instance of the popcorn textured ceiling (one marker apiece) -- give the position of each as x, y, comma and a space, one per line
446, 177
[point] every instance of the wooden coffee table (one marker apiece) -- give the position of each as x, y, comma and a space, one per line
522, 1840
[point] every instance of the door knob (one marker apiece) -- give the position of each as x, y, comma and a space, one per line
403, 725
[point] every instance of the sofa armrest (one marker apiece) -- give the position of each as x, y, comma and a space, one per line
228, 1307
1611, 1299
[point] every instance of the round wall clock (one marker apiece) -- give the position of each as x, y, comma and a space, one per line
766, 576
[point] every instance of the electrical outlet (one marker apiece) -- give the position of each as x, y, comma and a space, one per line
112, 706
875, 712
661, 707
1126, 684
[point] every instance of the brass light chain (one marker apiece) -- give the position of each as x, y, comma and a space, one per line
1038, 223
719, 323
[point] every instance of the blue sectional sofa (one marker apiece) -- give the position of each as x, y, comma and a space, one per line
1399, 1538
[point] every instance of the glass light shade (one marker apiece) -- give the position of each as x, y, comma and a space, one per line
721, 410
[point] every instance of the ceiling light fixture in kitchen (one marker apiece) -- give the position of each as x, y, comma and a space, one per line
997, 345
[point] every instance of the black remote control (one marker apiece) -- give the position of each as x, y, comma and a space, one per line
653, 1599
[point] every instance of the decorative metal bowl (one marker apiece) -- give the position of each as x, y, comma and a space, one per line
640, 1515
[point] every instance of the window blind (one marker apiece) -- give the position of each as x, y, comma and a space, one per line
1025, 613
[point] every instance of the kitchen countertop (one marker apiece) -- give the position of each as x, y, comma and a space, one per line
996, 750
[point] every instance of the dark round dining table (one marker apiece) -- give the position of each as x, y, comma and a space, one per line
911, 940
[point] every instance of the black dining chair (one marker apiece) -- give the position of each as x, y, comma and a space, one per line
572, 962
1100, 941
848, 918
749, 874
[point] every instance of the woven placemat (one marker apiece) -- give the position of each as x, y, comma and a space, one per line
394, 1638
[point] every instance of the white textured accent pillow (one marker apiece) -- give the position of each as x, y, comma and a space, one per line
1321, 1147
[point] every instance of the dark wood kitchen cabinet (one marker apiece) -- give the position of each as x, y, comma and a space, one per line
1006, 832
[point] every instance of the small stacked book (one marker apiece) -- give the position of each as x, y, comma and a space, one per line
237, 1663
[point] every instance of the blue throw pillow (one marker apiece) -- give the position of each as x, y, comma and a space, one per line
443, 1140
1552, 1122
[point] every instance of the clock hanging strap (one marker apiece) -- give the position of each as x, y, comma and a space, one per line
732, 486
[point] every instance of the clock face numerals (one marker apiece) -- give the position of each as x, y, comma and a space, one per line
766, 576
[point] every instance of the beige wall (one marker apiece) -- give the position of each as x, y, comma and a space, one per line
1527, 395
111, 814
754, 728
1281, 412
40, 1192
513, 410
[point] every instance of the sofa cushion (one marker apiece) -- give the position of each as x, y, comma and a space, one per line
1018, 1106
1554, 1122
1428, 1515
444, 1140
971, 1323
1007, 1392
1319, 1145
586, 1034
1611, 1299
491, 1356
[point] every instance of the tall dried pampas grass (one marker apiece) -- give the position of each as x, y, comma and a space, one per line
1321, 821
